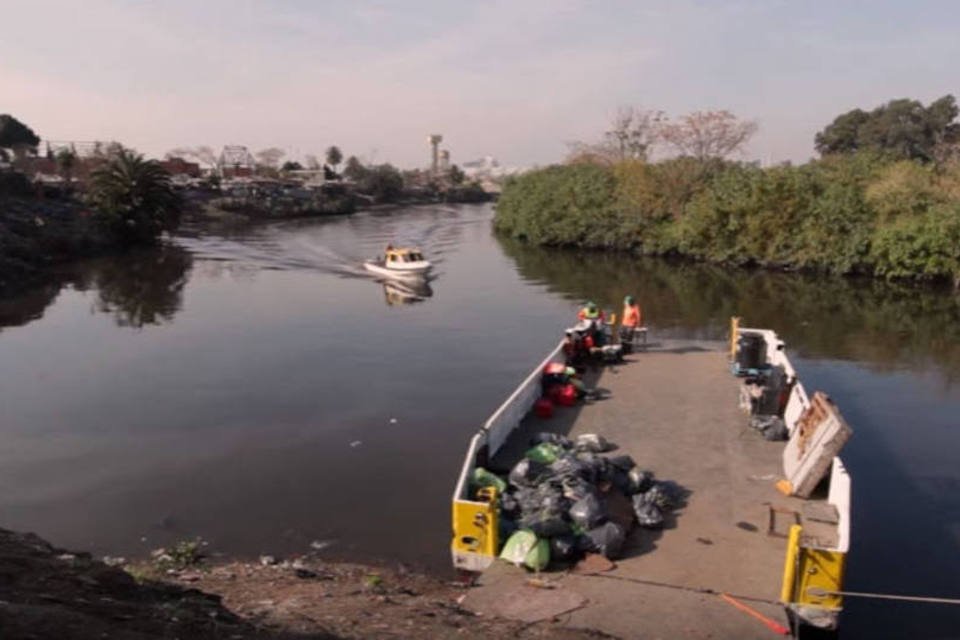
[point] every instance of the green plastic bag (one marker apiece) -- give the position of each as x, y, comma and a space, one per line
518, 546
544, 453
524, 548
483, 478
539, 556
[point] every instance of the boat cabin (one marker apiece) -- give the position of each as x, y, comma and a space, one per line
394, 256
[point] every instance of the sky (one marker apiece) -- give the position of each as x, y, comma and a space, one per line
515, 79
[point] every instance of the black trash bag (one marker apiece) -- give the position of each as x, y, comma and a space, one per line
665, 494
507, 526
545, 437
509, 505
553, 500
596, 467
569, 465
606, 539
777, 432
640, 480
528, 473
576, 488
621, 481
528, 499
648, 513
624, 462
545, 524
593, 443
587, 512
563, 548
772, 427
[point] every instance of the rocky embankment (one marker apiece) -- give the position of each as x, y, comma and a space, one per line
37, 234
47, 592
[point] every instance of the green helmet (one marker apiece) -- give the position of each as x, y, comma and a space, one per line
628, 300
591, 306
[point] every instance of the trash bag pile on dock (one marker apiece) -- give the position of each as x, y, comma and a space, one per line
565, 498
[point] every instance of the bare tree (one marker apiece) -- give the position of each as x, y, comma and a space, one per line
270, 157
708, 134
202, 154
632, 134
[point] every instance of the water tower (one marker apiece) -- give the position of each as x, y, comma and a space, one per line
434, 139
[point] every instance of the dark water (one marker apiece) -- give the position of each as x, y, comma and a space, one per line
260, 391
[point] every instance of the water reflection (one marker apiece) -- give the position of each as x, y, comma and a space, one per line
138, 288
401, 292
27, 307
885, 325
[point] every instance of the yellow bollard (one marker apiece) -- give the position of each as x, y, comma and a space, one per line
734, 330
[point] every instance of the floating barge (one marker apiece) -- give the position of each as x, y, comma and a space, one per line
765, 523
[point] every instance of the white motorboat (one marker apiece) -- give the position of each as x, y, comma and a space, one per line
399, 263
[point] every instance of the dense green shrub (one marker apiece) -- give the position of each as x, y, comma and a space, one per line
854, 214
571, 205
924, 247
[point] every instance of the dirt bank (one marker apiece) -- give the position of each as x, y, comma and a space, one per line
47, 592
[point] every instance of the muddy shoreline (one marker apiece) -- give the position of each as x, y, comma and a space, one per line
46, 592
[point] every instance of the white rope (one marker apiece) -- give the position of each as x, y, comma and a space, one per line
816, 591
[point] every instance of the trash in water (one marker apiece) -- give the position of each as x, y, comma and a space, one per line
356, 443
320, 545
393, 421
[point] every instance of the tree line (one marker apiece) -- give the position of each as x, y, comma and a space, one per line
130, 198
882, 200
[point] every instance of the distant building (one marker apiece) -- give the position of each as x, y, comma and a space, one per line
180, 167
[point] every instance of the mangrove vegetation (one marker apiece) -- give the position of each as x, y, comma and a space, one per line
882, 200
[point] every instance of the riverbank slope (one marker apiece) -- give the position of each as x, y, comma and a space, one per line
47, 592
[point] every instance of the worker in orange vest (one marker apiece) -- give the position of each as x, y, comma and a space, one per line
632, 317
629, 323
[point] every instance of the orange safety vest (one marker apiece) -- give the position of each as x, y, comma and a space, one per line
631, 316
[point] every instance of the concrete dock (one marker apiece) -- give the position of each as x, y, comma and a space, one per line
673, 408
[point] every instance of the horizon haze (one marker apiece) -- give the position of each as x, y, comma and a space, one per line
512, 80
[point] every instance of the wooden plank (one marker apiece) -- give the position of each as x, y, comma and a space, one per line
820, 435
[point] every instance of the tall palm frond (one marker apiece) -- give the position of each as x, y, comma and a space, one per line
135, 195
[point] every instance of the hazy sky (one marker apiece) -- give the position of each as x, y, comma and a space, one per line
513, 79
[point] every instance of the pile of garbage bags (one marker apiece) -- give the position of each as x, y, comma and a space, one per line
565, 498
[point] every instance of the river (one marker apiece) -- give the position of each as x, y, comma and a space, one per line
258, 389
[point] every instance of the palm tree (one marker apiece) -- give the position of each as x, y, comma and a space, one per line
66, 159
134, 197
